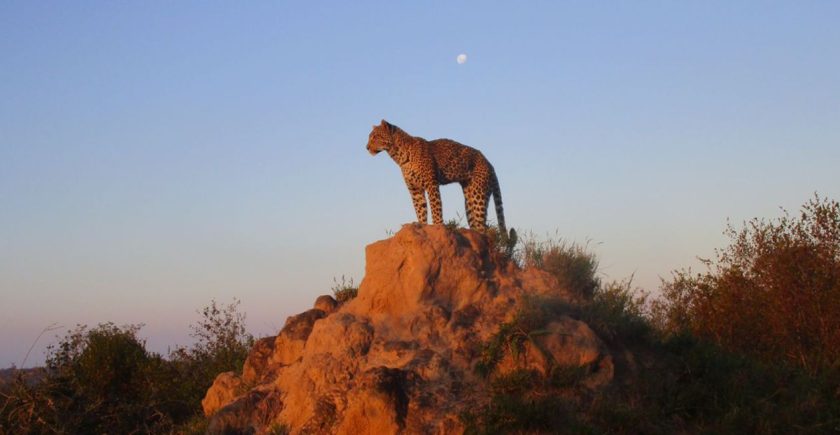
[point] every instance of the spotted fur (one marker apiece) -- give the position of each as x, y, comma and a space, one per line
428, 164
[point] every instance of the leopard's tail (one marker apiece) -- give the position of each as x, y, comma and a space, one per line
497, 199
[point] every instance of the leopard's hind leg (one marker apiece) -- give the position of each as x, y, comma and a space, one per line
435, 203
476, 198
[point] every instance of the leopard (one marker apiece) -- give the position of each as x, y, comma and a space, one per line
428, 164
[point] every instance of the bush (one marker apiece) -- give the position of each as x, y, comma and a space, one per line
691, 386
617, 310
454, 224
103, 380
344, 290
574, 266
774, 293
222, 344
519, 413
97, 381
672, 383
504, 244
677, 385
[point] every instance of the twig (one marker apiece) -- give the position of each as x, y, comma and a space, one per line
50, 327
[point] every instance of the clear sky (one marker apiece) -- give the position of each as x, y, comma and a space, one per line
157, 155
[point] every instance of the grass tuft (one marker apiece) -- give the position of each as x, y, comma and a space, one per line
344, 290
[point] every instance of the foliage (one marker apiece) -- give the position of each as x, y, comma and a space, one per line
574, 265
678, 382
521, 401
693, 386
103, 380
344, 290
493, 351
454, 223
773, 293
503, 243
617, 311
749, 346
515, 413
512, 336
196, 425
682, 386
221, 344
98, 380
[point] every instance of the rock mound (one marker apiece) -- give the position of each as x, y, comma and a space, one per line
403, 356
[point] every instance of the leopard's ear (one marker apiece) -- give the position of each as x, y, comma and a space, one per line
388, 126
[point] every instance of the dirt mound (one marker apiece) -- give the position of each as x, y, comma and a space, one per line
403, 356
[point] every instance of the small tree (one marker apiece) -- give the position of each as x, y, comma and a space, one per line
98, 380
103, 380
773, 293
222, 344
221, 337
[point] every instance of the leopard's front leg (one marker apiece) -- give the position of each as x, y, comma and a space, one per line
418, 197
434, 202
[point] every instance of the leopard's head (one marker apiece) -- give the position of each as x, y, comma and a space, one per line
380, 138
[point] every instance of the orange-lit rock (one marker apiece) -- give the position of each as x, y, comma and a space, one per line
289, 344
256, 365
326, 303
224, 390
401, 356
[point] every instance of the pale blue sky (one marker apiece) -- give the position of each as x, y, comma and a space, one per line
157, 155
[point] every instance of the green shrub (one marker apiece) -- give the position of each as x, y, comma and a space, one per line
617, 311
502, 243
514, 413
454, 224
525, 327
344, 290
574, 265
693, 386
521, 401
679, 384
222, 344
505, 244
773, 293
97, 381
103, 380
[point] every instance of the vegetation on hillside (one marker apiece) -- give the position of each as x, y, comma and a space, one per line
751, 345
103, 380
344, 290
773, 293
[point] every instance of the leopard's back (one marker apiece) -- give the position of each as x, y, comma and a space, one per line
455, 162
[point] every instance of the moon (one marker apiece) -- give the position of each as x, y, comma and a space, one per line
461, 59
